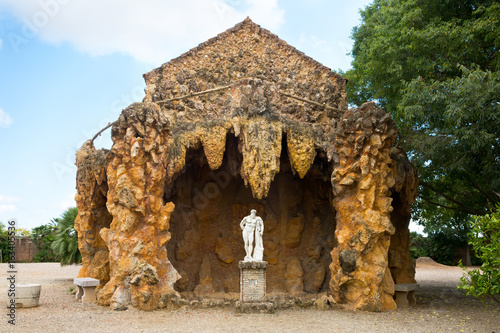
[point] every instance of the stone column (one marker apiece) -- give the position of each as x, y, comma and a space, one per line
361, 184
136, 239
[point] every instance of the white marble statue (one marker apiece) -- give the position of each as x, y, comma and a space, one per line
253, 228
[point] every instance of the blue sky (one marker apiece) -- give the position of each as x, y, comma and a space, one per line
68, 67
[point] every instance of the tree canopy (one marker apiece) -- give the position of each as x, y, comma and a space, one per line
434, 65
65, 244
43, 236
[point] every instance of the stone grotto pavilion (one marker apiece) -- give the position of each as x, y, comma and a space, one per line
245, 121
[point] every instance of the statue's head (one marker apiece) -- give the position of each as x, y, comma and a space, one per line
253, 212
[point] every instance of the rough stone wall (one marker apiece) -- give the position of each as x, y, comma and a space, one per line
26, 249
320, 175
140, 273
361, 185
92, 190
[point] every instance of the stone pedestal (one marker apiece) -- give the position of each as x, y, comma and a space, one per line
253, 288
253, 281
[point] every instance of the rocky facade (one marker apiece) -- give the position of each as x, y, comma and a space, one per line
245, 121
362, 198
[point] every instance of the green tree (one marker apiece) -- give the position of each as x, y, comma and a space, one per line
65, 245
485, 240
434, 65
446, 232
43, 236
23, 232
418, 245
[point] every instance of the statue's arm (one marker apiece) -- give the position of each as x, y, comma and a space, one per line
242, 223
261, 225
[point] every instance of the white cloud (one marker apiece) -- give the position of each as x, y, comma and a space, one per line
151, 31
4, 199
416, 227
5, 118
7, 204
334, 52
7, 208
67, 202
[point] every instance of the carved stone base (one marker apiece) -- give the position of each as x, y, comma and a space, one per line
253, 281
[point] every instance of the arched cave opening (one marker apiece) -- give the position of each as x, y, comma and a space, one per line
206, 242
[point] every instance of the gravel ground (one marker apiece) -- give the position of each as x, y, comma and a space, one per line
441, 308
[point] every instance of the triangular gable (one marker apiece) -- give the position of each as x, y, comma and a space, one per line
246, 51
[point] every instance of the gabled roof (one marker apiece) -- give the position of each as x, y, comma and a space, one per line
248, 25
246, 51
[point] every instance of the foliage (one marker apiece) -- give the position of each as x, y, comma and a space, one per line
418, 245
485, 240
23, 232
43, 237
434, 65
440, 245
4, 242
65, 245
446, 232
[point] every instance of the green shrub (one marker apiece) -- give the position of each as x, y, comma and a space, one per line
484, 238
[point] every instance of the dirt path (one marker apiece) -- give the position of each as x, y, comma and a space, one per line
441, 308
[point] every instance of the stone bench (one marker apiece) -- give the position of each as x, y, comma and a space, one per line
405, 294
86, 289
